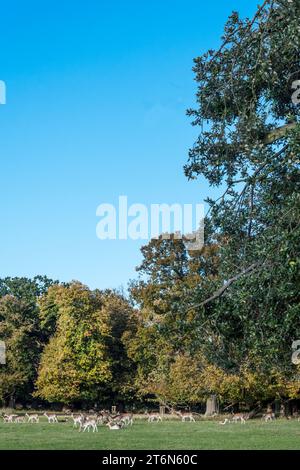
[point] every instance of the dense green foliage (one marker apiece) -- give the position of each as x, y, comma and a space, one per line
230, 316
65, 343
23, 334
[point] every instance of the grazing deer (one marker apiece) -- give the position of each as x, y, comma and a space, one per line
103, 417
242, 417
226, 420
32, 418
153, 417
88, 424
9, 418
184, 415
100, 419
51, 418
20, 419
270, 416
128, 419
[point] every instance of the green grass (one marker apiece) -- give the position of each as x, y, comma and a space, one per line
169, 435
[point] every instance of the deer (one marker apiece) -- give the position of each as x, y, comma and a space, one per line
20, 419
51, 418
242, 417
103, 417
114, 425
269, 416
32, 418
77, 420
153, 417
184, 415
222, 423
128, 419
9, 418
88, 424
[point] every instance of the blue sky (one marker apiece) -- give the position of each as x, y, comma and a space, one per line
96, 100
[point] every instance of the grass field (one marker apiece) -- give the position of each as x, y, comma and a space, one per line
168, 435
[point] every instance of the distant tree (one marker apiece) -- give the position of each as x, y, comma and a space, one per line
168, 327
21, 330
76, 362
122, 322
85, 359
28, 290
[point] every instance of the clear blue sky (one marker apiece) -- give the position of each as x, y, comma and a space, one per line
96, 100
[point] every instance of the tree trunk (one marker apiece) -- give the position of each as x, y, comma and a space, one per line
212, 406
12, 402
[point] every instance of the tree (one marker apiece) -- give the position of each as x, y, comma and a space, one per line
85, 359
249, 143
122, 322
167, 329
75, 363
28, 290
20, 328
236, 302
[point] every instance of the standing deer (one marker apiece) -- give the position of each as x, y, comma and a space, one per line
77, 420
88, 424
126, 418
184, 415
153, 417
242, 417
51, 418
20, 419
32, 418
9, 418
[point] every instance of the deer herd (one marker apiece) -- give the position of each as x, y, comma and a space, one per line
86, 422
83, 422
243, 417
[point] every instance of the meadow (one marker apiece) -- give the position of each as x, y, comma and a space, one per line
168, 435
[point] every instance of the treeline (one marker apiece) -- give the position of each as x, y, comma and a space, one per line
64, 343
69, 345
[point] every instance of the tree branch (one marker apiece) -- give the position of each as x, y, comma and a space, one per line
252, 178
227, 284
279, 133
229, 37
